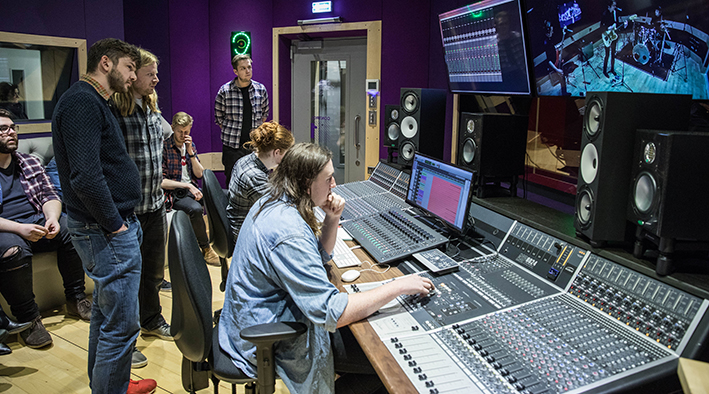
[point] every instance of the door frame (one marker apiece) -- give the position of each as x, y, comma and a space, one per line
374, 67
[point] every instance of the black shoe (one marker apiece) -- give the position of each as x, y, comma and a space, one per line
165, 286
613, 72
79, 309
37, 336
14, 327
606, 74
4, 349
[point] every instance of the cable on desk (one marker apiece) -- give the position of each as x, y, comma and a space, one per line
371, 267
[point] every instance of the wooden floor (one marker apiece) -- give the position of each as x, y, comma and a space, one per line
61, 368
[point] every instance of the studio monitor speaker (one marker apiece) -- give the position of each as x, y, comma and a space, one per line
492, 145
423, 122
669, 169
392, 122
607, 140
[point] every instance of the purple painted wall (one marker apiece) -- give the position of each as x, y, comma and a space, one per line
65, 18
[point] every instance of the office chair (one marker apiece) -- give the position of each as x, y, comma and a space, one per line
220, 236
195, 334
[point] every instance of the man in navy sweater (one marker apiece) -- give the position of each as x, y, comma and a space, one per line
101, 189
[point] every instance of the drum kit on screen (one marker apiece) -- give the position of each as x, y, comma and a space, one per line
648, 42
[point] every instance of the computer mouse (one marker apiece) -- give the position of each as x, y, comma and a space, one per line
349, 276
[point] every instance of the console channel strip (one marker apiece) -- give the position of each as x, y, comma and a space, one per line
384, 175
368, 205
358, 189
659, 311
546, 256
392, 235
401, 185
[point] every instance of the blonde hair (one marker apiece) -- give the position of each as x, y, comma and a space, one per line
125, 101
270, 136
181, 119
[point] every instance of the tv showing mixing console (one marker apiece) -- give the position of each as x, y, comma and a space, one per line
527, 312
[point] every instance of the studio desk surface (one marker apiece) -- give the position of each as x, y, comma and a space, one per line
692, 279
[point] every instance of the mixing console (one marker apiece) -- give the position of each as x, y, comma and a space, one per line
384, 175
537, 315
391, 235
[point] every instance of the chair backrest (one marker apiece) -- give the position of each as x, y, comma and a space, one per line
220, 236
191, 323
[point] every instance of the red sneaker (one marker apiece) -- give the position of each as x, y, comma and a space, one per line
144, 386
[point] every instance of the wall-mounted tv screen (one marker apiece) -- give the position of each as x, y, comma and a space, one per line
484, 48
654, 46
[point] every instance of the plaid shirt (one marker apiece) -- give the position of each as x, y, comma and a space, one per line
35, 181
172, 161
229, 110
143, 135
249, 181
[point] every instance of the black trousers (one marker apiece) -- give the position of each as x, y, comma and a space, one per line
16, 271
152, 251
194, 210
229, 157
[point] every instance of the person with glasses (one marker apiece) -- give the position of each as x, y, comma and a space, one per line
31, 222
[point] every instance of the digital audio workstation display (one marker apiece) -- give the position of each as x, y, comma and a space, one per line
441, 189
484, 48
651, 46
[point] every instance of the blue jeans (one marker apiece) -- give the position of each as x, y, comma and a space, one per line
113, 262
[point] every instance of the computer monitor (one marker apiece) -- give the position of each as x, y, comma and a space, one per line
442, 189
484, 47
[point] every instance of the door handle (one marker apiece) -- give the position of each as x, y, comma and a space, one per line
357, 145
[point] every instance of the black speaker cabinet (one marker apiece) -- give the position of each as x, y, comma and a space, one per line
669, 168
423, 122
607, 139
492, 145
392, 121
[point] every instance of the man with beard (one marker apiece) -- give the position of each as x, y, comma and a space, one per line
101, 187
141, 123
31, 222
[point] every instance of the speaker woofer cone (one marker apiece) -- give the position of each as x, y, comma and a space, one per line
407, 150
584, 207
589, 163
470, 150
644, 192
393, 132
410, 102
409, 127
592, 120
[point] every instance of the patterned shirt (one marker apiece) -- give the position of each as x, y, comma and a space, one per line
35, 181
279, 275
249, 181
172, 161
144, 136
229, 110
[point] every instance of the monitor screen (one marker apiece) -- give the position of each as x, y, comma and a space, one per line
441, 189
484, 48
652, 46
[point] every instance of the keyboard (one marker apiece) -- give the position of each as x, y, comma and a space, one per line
437, 261
343, 256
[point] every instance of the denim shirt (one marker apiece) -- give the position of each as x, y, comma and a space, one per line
278, 274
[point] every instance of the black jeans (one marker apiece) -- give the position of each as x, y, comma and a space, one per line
152, 250
229, 157
16, 271
194, 209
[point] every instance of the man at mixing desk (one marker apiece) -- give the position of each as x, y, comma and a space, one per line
278, 275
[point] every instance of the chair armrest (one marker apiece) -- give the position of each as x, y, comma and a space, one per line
264, 336
272, 332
